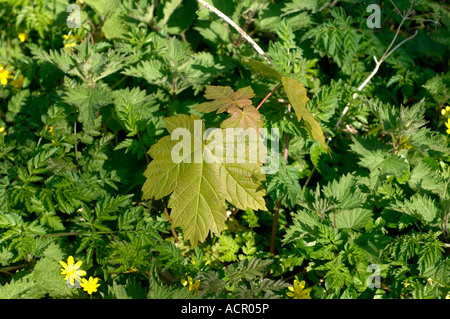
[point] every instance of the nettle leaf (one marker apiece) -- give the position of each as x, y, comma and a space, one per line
324, 103
103, 7
199, 179
296, 94
248, 117
115, 27
353, 218
284, 185
421, 207
391, 165
88, 101
224, 98
440, 272
380, 163
423, 179
438, 87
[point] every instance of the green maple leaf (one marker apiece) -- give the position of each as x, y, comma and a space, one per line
200, 180
296, 94
224, 98
263, 68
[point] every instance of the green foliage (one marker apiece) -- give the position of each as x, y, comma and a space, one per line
241, 280
111, 150
201, 179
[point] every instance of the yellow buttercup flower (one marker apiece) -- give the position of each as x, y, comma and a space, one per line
448, 126
2, 130
299, 291
445, 111
17, 82
192, 285
5, 75
72, 271
90, 285
23, 36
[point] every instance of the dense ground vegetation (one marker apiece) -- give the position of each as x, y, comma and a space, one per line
359, 206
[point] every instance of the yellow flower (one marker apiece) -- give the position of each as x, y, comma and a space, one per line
23, 36
404, 143
5, 75
90, 285
68, 47
298, 291
448, 126
69, 42
445, 111
18, 82
72, 271
192, 285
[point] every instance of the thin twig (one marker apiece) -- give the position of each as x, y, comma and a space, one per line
386, 54
237, 28
396, 9
401, 43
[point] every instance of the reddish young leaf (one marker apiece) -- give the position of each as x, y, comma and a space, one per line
224, 98
244, 118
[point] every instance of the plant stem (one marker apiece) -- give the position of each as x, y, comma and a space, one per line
10, 268
76, 145
118, 82
172, 229
277, 206
309, 177
274, 228
267, 96
237, 28
146, 155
